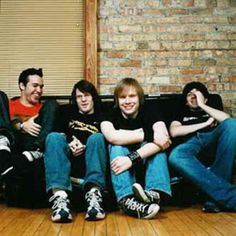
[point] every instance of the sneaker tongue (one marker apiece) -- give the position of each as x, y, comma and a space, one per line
61, 193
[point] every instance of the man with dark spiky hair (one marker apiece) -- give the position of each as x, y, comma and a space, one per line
25, 121
199, 125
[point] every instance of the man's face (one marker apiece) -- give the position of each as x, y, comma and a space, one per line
85, 102
128, 101
32, 92
192, 98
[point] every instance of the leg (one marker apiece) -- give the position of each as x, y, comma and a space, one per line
226, 149
157, 174
96, 163
96, 160
48, 120
123, 182
57, 171
184, 159
56, 161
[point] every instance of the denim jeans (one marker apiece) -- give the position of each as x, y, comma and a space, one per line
58, 165
5, 123
156, 178
96, 160
214, 181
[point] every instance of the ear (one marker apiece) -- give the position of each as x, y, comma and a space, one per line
21, 86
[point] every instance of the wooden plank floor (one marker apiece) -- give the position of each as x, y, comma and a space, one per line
172, 221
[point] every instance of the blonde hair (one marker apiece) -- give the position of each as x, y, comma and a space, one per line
127, 83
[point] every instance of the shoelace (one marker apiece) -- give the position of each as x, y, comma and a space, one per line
59, 202
153, 196
93, 197
4, 140
134, 205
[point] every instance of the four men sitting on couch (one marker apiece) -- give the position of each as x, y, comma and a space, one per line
132, 138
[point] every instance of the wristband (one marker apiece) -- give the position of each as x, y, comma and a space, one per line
134, 157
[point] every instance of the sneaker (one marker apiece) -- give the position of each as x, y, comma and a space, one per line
4, 143
94, 205
7, 171
146, 196
5, 162
32, 155
210, 207
61, 207
133, 207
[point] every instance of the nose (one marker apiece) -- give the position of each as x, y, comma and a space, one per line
83, 98
127, 100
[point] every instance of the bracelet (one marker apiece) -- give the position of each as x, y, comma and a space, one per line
134, 157
21, 126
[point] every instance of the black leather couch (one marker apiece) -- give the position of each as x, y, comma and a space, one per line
29, 191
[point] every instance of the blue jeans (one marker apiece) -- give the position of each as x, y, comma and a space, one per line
156, 178
58, 165
96, 160
215, 181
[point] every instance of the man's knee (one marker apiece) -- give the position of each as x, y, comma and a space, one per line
55, 137
95, 138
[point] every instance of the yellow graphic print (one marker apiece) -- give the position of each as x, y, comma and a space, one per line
77, 125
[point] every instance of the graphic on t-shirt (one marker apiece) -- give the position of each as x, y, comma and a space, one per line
77, 125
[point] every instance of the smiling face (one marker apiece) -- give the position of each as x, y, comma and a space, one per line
85, 102
128, 102
32, 91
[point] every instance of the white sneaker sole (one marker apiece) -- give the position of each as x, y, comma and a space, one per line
155, 209
139, 193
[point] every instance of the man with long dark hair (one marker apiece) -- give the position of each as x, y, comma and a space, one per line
78, 153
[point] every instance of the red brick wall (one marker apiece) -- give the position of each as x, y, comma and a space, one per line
167, 43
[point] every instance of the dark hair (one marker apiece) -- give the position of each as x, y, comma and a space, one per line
85, 86
128, 82
195, 85
23, 78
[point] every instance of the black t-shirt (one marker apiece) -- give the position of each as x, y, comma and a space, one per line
145, 120
80, 125
187, 116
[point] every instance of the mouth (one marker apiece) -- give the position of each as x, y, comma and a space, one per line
37, 96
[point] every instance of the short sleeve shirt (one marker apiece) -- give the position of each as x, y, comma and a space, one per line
145, 120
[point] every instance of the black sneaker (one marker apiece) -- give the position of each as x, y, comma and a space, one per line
4, 143
32, 155
133, 207
61, 207
5, 162
145, 196
94, 205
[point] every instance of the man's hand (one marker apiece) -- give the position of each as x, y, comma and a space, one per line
162, 140
31, 127
76, 147
200, 98
211, 122
120, 164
